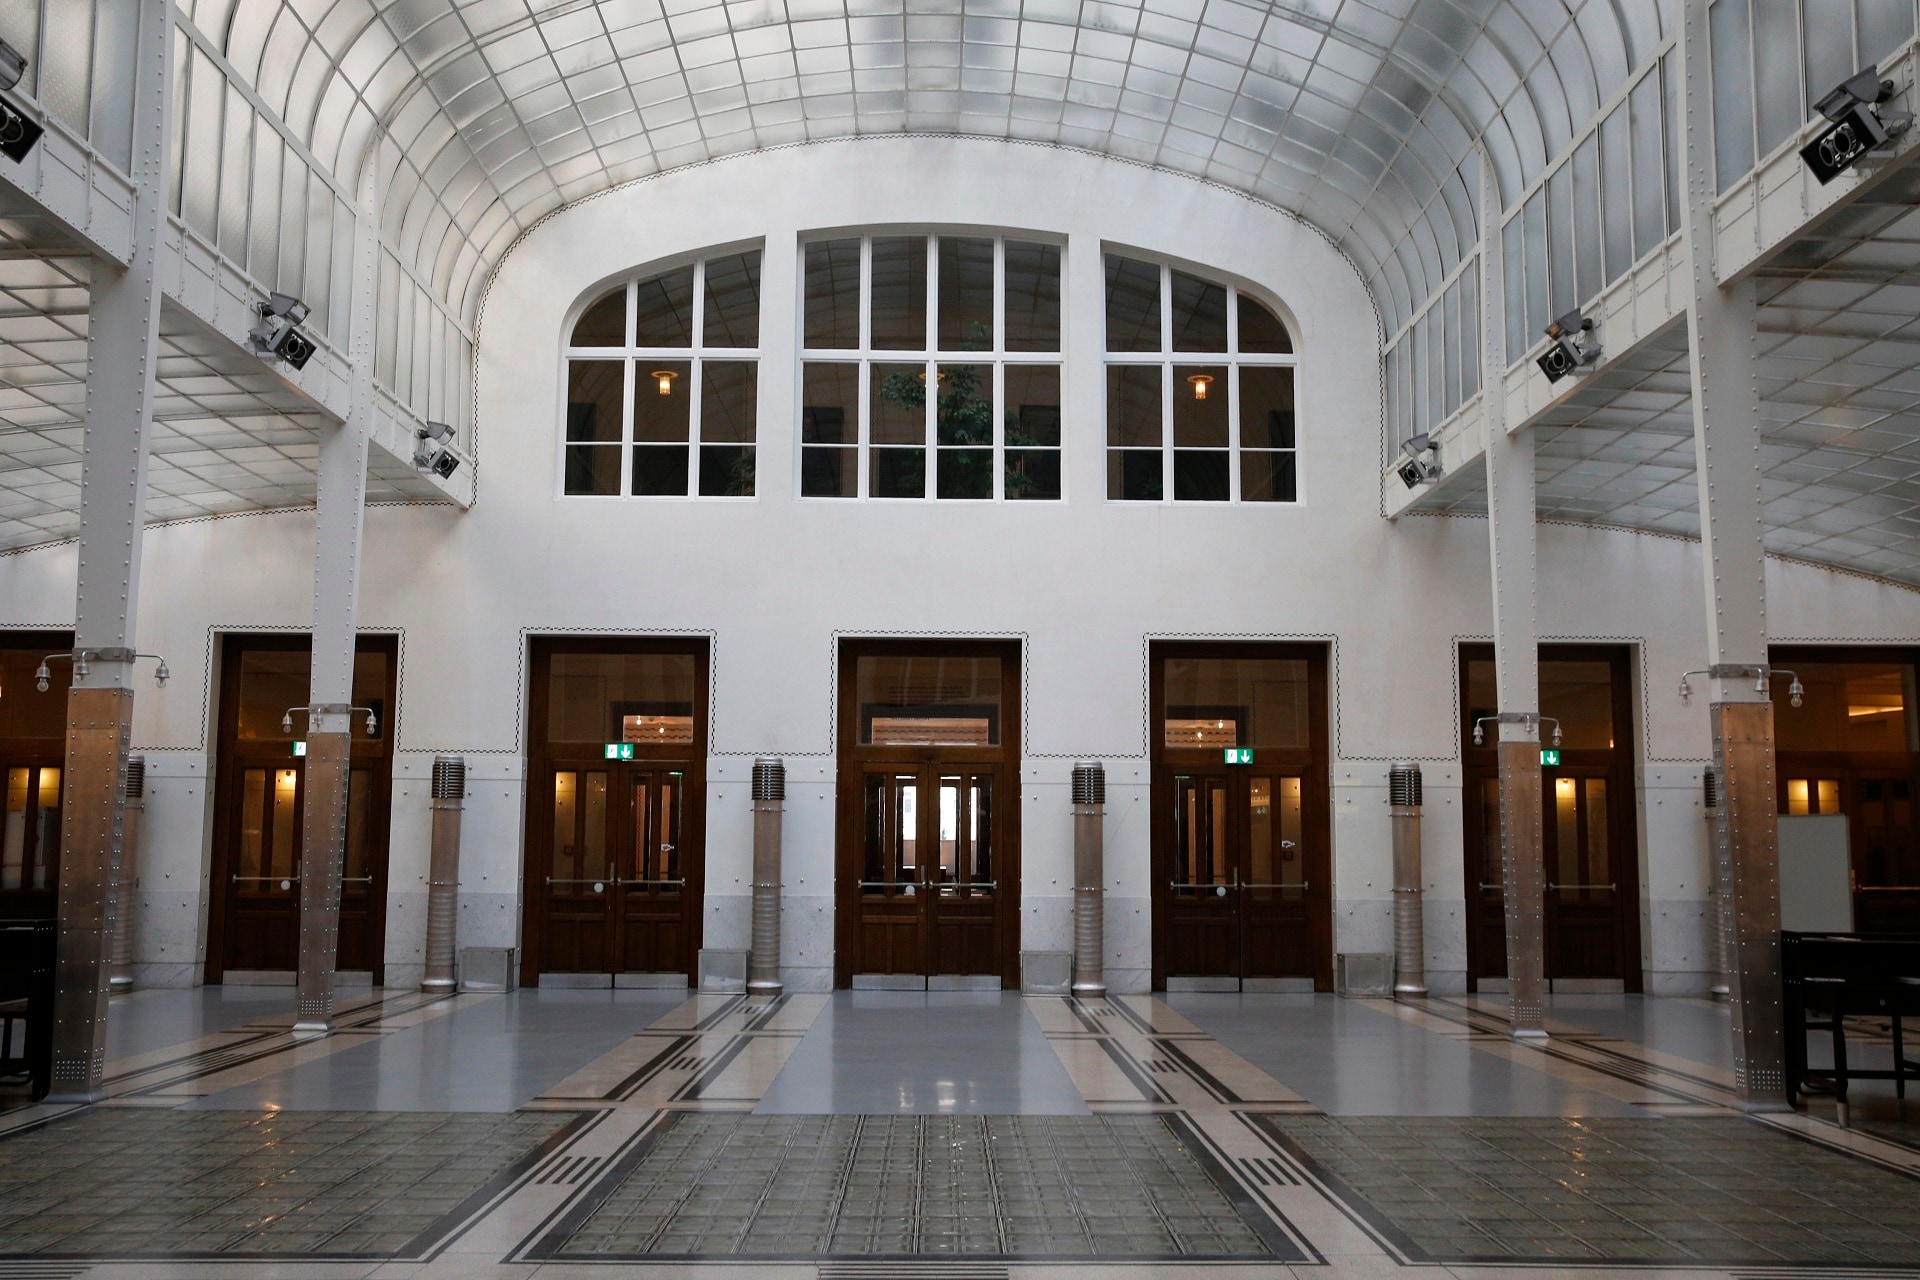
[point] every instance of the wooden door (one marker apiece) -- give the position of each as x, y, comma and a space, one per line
1276, 934
29, 836
263, 876
1583, 873
962, 896
651, 902
1203, 884
1885, 853
890, 936
577, 885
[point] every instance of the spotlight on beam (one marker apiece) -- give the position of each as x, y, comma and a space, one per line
1423, 461
1570, 349
1859, 125
278, 335
18, 134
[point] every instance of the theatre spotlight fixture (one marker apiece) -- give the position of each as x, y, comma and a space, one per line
13, 65
435, 431
439, 459
1423, 461
1570, 349
278, 336
17, 133
1859, 125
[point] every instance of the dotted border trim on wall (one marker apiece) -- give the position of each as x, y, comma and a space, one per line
209, 748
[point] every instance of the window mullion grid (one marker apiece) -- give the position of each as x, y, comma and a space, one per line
626, 421
997, 378
863, 460
694, 376
1233, 393
930, 337
1166, 383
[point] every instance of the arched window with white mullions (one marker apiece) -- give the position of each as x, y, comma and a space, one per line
1199, 390
663, 385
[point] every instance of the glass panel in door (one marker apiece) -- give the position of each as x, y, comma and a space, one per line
578, 889
890, 937
358, 892
1583, 929
961, 910
30, 840
1203, 924
264, 886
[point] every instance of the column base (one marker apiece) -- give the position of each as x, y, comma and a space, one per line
440, 986
1090, 990
313, 1028
1409, 988
1529, 1034
763, 987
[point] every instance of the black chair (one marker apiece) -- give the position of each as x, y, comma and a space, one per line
26, 1002
1830, 977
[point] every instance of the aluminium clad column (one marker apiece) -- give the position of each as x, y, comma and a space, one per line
123, 333
1722, 329
1089, 877
1516, 641
443, 873
769, 802
1409, 926
126, 874
341, 500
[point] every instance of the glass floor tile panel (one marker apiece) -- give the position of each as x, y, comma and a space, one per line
1722, 1191
715, 1184
114, 1183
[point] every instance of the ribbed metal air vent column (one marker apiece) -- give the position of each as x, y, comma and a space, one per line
1717, 948
443, 874
769, 803
126, 877
1089, 874
1404, 795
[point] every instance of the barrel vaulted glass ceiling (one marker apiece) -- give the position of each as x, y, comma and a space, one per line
1356, 114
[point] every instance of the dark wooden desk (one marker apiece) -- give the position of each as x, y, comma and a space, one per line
26, 1001
1827, 978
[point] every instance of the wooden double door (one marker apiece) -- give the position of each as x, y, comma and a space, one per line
1589, 855
617, 891
927, 865
1883, 829
260, 791
1239, 900
261, 890
928, 896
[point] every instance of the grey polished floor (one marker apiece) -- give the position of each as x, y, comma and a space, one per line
1350, 1058
924, 1053
1697, 1030
148, 1020
494, 1054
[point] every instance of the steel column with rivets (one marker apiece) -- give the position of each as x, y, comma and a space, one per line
1723, 329
126, 873
443, 873
123, 334
339, 519
1513, 533
1409, 904
1089, 878
769, 802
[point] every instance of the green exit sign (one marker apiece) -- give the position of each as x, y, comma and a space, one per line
299, 748
1239, 755
619, 751
1549, 756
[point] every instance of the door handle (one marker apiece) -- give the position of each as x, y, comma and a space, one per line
286, 882
1611, 888
674, 884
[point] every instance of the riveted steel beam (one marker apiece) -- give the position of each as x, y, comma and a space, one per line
123, 315
1722, 328
1513, 535
339, 519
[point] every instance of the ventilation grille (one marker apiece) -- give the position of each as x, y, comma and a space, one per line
1089, 783
1403, 785
449, 777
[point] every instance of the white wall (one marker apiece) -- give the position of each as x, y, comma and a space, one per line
1082, 583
